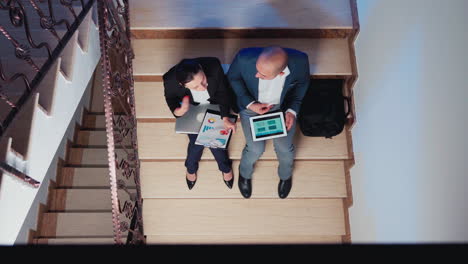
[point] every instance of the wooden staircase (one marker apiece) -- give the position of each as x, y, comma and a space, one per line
316, 210
164, 32
33, 137
79, 209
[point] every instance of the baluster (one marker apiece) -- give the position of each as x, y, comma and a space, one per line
46, 21
118, 90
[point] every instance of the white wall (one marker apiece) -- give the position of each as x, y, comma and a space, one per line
410, 140
30, 222
47, 132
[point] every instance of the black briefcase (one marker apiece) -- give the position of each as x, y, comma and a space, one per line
322, 112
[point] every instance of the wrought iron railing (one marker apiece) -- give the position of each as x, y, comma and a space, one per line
18, 19
119, 106
117, 74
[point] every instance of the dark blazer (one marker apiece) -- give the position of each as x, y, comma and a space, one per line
242, 78
217, 86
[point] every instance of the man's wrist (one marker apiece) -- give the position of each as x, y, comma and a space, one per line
292, 112
251, 103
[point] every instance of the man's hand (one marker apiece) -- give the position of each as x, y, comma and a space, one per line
228, 125
185, 106
260, 108
290, 119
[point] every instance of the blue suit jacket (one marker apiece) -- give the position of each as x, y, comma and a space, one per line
241, 76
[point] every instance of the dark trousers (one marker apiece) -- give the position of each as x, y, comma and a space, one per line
194, 153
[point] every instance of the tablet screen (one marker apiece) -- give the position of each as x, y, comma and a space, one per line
268, 126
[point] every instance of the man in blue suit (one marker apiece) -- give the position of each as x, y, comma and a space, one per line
268, 80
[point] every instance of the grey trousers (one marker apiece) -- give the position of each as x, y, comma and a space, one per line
253, 150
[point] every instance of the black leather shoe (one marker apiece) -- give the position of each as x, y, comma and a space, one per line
284, 187
230, 182
245, 186
190, 184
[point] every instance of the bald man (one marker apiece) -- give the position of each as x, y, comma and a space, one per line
268, 80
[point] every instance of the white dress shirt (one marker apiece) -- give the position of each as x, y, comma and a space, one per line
200, 96
269, 91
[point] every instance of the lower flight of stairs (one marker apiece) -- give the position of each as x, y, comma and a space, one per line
79, 204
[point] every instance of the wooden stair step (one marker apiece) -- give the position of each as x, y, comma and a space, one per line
241, 239
89, 177
159, 141
91, 156
83, 199
76, 241
197, 218
154, 57
98, 138
92, 224
311, 179
150, 101
240, 14
95, 121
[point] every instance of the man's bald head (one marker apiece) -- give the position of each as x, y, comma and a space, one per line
271, 62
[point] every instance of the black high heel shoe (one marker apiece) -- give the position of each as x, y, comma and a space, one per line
230, 182
190, 184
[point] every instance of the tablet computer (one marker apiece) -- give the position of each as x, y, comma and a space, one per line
268, 126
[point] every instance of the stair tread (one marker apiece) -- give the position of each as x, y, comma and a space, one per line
84, 199
252, 217
240, 14
77, 224
311, 179
241, 239
91, 156
95, 121
159, 141
89, 177
98, 138
151, 101
156, 56
77, 241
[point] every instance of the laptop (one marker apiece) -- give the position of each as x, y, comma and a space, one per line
190, 123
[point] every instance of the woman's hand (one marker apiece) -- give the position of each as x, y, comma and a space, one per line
228, 125
184, 107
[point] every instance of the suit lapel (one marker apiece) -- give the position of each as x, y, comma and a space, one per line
288, 83
254, 81
211, 87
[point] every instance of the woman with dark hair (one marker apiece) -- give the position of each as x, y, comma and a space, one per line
193, 82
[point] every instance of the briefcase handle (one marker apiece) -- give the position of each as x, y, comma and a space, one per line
348, 101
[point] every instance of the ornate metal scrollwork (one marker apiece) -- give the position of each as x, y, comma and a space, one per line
117, 71
24, 44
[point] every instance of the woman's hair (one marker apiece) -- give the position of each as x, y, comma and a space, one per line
186, 69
